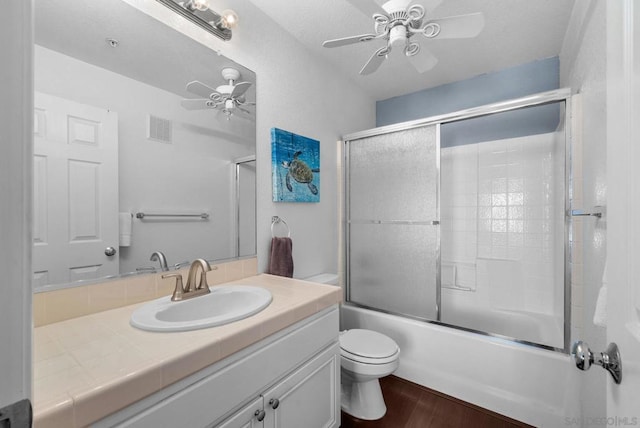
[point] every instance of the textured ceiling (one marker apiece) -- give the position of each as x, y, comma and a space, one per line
515, 32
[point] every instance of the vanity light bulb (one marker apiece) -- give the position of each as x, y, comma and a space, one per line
228, 19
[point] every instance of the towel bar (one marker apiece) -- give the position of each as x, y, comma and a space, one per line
582, 213
142, 215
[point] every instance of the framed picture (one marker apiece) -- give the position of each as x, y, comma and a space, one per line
295, 166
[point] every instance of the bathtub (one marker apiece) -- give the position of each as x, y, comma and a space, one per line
529, 384
524, 325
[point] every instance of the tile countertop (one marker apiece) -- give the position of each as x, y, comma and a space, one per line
88, 367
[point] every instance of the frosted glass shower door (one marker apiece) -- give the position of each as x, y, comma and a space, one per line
392, 227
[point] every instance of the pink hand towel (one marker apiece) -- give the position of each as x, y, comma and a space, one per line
281, 260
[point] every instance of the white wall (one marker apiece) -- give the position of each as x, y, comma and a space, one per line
583, 69
298, 93
16, 134
156, 176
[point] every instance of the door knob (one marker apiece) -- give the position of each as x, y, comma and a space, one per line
110, 251
609, 359
274, 403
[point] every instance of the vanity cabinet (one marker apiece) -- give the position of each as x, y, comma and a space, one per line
250, 416
305, 398
291, 379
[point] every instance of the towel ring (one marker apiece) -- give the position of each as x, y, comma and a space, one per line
274, 220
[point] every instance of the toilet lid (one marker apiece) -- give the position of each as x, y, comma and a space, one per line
367, 343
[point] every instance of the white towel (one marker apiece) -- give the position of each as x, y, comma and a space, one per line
600, 314
125, 221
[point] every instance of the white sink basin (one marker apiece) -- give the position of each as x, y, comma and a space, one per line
223, 305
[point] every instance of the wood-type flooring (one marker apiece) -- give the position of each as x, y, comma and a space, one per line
413, 406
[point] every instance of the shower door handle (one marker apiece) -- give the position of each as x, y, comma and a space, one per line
609, 359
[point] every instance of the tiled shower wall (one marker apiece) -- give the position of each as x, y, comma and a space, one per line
499, 203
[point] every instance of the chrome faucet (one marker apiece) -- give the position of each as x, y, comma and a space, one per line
191, 289
159, 256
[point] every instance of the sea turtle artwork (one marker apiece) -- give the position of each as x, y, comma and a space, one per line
295, 164
300, 171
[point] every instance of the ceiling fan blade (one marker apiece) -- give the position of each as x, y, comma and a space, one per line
348, 40
196, 104
244, 110
423, 61
368, 7
239, 89
396, 5
460, 27
199, 88
374, 62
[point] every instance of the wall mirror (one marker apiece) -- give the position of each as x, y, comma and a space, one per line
123, 165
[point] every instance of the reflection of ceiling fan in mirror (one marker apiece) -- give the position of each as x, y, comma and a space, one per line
398, 21
229, 98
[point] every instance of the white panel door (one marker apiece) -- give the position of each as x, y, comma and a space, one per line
75, 191
623, 188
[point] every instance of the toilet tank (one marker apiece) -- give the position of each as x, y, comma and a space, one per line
324, 278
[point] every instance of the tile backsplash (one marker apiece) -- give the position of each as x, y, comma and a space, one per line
62, 304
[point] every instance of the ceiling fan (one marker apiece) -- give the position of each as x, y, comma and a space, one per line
398, 21
229, 98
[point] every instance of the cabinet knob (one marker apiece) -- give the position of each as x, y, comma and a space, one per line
260, 415
274, 403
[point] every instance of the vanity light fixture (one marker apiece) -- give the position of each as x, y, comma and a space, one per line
198, 12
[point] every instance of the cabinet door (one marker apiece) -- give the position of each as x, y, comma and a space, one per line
250, 416
308, 397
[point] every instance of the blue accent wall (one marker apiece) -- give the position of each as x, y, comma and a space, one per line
514, 82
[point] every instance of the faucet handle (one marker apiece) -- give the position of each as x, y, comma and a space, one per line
179, 290
181, 265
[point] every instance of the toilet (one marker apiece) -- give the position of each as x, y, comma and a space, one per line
365, 357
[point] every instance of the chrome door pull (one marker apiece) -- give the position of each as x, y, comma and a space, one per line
609, 359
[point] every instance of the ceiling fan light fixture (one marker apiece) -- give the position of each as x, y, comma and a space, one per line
400, 22
228, 98
398, 36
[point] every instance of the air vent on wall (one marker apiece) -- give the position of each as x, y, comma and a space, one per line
159, 129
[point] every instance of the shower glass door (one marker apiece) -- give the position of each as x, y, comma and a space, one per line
503, 224
392, 222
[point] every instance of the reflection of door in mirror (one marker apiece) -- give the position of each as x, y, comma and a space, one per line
76, 179
246, 206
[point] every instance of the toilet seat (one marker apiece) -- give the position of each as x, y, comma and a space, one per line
368, 347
